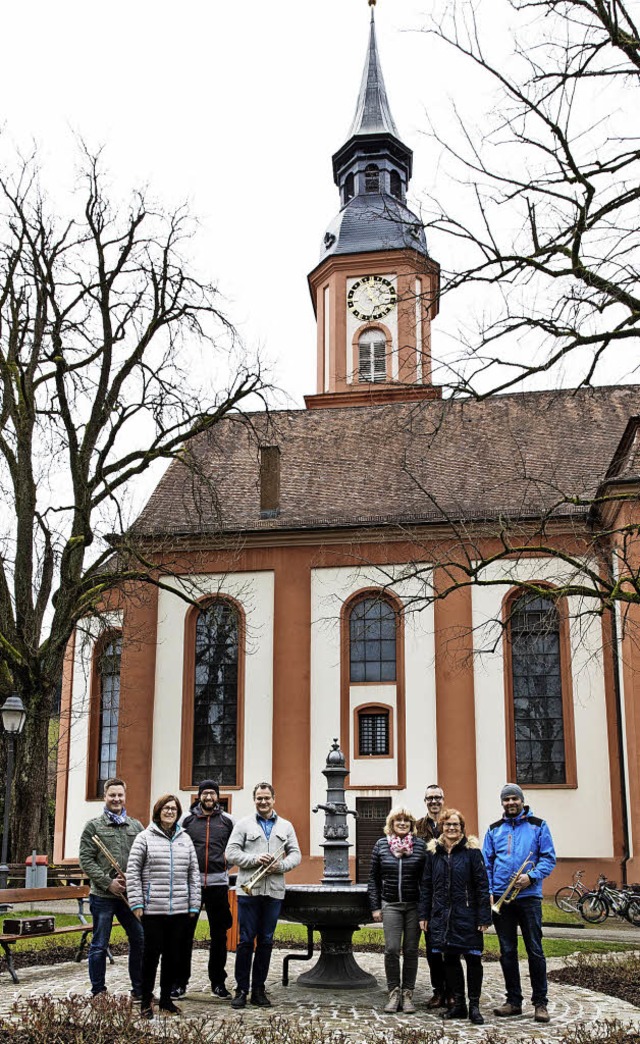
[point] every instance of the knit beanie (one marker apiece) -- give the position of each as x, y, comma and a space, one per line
208, 784
511, 790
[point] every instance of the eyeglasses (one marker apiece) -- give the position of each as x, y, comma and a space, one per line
452, 826
171, 809
434, 798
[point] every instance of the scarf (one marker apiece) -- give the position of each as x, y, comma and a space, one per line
400, 845
119, 818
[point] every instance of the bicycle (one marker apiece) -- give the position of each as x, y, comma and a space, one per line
596, 906
568, 897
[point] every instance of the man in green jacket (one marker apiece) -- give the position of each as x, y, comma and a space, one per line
116, 832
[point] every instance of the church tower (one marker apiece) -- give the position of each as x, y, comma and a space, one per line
375, 290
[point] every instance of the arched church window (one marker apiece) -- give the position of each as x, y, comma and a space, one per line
215, 706
396, 184
371, 178
536, 683
372, 640
349, 188
372, 357
108, 665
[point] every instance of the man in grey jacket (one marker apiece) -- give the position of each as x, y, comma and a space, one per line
262, 841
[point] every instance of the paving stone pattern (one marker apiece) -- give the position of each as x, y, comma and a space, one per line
357, 1013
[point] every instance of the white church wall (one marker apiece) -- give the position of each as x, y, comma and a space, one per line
79, 810
255, 593
330, 588
568, 810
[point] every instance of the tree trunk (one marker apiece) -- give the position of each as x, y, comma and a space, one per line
29, 793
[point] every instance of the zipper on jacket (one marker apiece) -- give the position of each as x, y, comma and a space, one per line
206, 851
400, 879
171, 875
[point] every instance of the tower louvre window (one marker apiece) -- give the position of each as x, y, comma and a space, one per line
372, 357
372, 178
396, 184
349, 188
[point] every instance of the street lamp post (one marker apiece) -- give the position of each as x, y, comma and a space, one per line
13, 719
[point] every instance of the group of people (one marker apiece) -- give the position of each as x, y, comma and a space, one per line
427, 875
156, 880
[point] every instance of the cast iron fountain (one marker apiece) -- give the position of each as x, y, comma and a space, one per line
336, 908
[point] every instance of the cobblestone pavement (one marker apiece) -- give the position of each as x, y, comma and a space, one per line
358, 1013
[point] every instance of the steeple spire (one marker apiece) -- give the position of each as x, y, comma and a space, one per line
373, 115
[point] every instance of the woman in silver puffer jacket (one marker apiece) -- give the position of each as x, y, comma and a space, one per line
163, 889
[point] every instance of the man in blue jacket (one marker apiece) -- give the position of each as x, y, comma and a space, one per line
519, 845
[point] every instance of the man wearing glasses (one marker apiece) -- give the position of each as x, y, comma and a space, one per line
428, 828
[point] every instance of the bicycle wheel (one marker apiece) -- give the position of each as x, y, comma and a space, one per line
592, 908
632, 913
566, 899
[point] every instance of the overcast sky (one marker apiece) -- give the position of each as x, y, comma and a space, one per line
236, 107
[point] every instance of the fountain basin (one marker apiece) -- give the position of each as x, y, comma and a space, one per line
336, 911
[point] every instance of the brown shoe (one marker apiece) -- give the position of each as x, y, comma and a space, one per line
541, 1014
507, 1011
437, 1001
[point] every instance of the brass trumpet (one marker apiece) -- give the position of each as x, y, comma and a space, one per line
511, 891
249, 885
110, 859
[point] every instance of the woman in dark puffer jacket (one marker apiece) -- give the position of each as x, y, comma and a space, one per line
454, 902
397, 862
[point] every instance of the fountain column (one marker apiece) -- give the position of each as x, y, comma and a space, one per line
336, 907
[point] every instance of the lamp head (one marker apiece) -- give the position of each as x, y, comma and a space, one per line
13, 714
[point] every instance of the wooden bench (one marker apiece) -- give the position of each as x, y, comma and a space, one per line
10, 897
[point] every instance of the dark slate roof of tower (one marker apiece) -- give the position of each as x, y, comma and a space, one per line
528, 455
373, 222
373, 114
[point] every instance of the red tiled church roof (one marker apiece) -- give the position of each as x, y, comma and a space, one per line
521, 455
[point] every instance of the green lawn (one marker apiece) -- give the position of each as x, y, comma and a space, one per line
296, 934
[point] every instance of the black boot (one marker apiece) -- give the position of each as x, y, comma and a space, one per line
475, 1015
459, 1009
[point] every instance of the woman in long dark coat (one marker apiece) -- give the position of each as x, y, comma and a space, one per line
454, 903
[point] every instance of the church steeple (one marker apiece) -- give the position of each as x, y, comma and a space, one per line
373, 115
375, 288
372, 171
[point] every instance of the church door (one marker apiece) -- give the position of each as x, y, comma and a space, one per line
372, 815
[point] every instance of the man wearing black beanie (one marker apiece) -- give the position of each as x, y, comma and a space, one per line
209, 827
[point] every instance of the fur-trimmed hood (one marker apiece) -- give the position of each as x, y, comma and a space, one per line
465, 842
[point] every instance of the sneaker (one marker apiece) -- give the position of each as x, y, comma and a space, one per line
407, 1002
259, 997
395, 1000
240, 999
221, 991
507, 1010
177, 992
541, 1014
146, 1013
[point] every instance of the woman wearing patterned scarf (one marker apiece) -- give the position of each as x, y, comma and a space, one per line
397, 862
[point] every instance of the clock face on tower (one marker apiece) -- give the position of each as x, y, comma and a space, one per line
371, 297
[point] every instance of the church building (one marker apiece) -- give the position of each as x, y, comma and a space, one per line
302, 564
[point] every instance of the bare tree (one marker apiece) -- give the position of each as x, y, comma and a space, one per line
110, 353
544, 220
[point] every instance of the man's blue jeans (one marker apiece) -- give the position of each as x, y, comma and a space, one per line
257, 919
526, 914
103, 911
